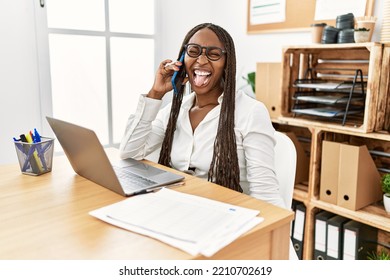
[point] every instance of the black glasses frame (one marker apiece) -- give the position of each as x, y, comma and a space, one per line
201, 51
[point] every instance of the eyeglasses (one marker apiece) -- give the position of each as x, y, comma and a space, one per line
212, 53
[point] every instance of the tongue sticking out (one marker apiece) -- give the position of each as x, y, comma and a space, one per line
201, 78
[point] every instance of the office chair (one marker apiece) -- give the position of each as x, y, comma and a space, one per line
285, 168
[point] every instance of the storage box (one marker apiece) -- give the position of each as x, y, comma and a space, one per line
359, 178
35, 158
268, 86
334, 62
329, 171
349, 176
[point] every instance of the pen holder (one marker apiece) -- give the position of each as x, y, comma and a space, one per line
35, 158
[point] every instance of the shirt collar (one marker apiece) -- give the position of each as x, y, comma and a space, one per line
189, 100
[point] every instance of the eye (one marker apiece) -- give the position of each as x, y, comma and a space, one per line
214, 53
193, 51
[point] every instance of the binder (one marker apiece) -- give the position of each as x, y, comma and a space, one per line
359, 240
329, 171
293, 208
299, 228
320, 234
335, 234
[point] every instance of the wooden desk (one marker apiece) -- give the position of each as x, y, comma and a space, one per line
46, 217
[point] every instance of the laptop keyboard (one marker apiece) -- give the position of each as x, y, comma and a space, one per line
129, 179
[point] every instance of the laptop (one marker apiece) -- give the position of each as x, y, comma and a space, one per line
88, 159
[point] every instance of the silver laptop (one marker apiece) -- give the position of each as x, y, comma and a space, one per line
89, 160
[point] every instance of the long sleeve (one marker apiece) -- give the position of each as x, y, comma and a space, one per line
144, 130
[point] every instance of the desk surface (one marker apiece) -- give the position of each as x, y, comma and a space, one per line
46, 217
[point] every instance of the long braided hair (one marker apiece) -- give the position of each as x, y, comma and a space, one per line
224, 169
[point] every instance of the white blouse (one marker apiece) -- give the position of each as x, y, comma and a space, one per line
254, 137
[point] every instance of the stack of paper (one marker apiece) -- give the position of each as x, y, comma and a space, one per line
193, 224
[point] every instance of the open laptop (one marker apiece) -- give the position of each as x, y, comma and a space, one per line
89, 160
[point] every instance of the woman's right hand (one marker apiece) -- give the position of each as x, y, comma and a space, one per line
162, 82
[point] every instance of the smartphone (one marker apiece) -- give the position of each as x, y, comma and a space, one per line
178, 76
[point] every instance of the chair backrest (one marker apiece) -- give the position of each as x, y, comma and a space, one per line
285, 166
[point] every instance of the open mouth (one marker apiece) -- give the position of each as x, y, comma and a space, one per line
201, 77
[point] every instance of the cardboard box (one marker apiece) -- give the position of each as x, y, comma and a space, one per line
349, 176
329, 171
359, 178
268, 86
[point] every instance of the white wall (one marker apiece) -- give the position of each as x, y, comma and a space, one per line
19, 86
232, 15
19, 80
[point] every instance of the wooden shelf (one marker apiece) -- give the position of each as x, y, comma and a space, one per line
372, 132
300, 194
373, 215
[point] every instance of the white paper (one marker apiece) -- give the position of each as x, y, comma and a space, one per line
267, 11
190, 223
330, 9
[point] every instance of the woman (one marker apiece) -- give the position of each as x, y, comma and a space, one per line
216, 133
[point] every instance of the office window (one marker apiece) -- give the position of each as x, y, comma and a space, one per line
101, 59
131, 76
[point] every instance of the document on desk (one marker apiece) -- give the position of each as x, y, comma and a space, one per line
191, 223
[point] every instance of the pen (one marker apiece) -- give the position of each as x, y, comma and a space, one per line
35, 153
37, 137
159, 188
23, 138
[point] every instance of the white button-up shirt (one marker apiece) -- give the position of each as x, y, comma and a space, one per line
145, 132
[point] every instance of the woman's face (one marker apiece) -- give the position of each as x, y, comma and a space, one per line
203, 73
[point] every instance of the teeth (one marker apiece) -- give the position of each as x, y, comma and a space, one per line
202, 73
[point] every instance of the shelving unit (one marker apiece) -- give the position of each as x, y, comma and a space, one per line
333, 63
370, 127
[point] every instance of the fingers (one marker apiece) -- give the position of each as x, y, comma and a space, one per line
168, 66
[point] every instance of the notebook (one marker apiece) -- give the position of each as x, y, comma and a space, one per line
88, 159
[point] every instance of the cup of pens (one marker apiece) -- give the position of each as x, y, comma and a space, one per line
35, 153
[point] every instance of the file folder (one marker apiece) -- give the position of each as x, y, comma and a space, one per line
267, 83
299, 228
320, 236
329, 171
335, 234
359, 240
359, 178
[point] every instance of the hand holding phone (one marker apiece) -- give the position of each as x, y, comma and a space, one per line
178, 76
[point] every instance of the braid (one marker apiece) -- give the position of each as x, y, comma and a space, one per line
165, 153
224, 165
224, 169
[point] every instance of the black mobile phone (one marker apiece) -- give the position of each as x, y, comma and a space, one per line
178, 76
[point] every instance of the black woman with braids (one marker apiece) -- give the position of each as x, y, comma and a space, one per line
219, 134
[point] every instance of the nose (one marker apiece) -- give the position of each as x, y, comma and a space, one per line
202, 58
